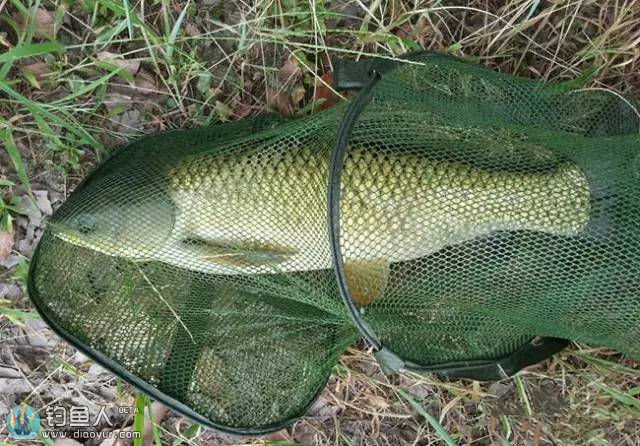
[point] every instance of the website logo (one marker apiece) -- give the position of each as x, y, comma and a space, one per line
23, 422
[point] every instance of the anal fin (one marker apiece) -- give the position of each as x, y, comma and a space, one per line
366, 279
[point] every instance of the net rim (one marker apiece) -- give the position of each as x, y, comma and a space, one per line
139, 383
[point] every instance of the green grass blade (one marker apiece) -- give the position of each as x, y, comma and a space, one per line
138, 419
17, 316
532, 9
174, 32
440, 430
106, 38
33, 49
157, 436
87, 88
604, 364
619, 396
14, 154
37, 109
522, 392
127, 15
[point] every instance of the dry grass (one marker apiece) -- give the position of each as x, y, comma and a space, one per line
169, 64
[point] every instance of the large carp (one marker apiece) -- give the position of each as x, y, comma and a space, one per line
266, 212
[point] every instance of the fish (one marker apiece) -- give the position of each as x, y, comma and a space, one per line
265, 211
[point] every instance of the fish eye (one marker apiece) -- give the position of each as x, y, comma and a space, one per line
86, 224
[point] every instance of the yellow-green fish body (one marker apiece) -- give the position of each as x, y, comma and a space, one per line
267, 212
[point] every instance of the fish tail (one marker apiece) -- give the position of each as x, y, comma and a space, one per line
613, 177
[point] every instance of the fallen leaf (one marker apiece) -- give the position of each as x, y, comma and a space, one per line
191, 30
323, 91
42, 201
404, 31
322, 409
96, 370
130, 65
241, 109
79, 358
116, 100
44, 25
377, 402
158, 414
6, 244
306, 433
38, 69
7, 372
10, 261
279, 436
45, 22
421, 32
9, 291
281, 101
290, 71
130, 122
223, 110
297, 94
146, 85
34, 215
35, 333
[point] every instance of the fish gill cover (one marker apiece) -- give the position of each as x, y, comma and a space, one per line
462, 220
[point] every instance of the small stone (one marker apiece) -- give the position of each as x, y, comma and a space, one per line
34, 214
10, 291
35, 334
42, 201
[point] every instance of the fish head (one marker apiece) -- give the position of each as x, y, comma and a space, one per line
134, 229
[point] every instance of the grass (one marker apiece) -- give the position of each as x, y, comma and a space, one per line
78, 79
440, 431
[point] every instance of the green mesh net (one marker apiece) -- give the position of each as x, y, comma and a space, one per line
461, 220
160, 268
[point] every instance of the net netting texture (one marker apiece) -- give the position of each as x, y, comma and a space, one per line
484, 210
478, 211
181, 260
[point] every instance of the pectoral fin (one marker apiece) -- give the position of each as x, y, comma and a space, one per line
366, 279
239, 252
